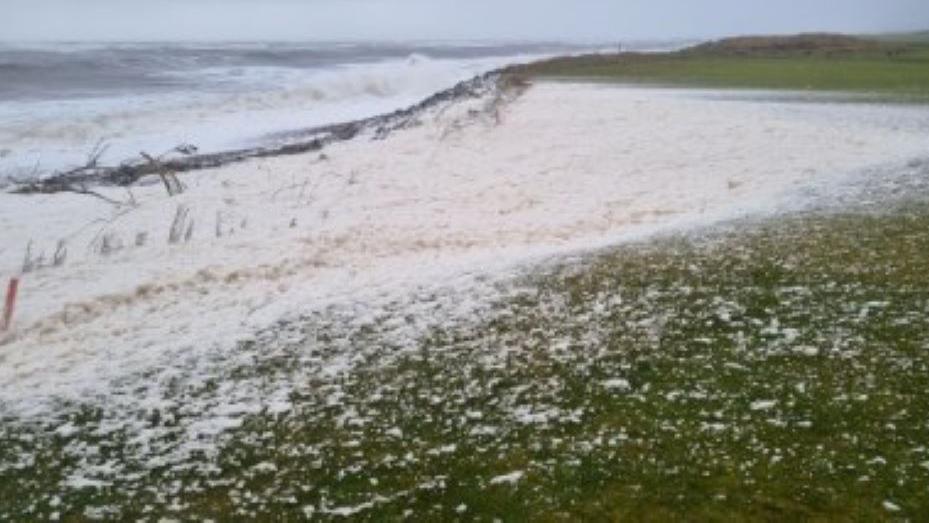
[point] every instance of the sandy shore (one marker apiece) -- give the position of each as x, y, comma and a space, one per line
563, 168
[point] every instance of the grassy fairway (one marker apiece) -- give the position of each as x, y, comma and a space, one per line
895, 69
775, 370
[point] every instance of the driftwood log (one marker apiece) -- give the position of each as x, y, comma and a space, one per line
293, 142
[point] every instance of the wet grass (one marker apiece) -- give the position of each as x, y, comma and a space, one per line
775, 370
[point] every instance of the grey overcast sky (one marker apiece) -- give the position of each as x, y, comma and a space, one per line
444, 19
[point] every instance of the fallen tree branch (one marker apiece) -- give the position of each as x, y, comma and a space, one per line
88, 192
298, 142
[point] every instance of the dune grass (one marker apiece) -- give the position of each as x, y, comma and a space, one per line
900, 71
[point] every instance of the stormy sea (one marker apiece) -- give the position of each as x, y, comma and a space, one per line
61, 101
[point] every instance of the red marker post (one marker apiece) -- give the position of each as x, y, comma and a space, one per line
10, 304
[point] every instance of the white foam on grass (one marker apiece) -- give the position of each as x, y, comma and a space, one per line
508, 479
464, 195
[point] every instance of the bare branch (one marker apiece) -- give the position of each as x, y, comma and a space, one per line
172, 185
88, 192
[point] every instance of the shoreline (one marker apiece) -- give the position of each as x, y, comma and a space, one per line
224, 100
303, 141
728, 64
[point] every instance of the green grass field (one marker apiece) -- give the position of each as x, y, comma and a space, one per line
900, 72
